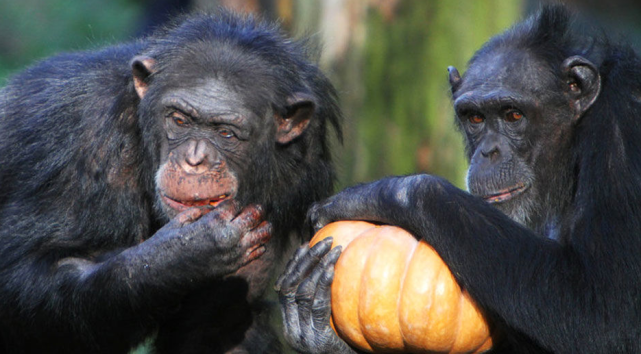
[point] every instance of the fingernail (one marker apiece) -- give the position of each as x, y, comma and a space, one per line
322, 246
334, 254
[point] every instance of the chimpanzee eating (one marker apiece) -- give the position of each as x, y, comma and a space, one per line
548, 241
152, 188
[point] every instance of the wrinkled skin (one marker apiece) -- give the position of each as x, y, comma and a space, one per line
499, 107
547, 239
228, 237
306, 304
205, 151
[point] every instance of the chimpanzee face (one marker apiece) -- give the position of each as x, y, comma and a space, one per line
516, 127
211, 133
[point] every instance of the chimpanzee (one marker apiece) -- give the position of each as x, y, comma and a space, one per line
139, 179
548, 241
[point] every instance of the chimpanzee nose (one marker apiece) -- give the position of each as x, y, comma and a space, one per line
196, 153
491, 152
199, 157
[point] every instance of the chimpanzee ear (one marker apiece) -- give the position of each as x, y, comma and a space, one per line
584, 83
455, 78
141, 67
295, 118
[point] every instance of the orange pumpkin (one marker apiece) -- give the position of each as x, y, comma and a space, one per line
393, 294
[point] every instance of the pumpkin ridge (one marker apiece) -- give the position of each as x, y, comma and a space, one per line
444, 270
432, 281
402, 291
459, 319
355, 337
361, 288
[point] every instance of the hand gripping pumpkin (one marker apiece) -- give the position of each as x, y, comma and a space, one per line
392, 293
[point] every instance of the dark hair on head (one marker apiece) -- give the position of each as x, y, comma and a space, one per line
553, 33
287, 65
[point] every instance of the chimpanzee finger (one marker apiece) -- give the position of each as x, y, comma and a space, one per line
291, 265
289, 312
309, 260
305, 294
321, 306
188, 216
257, 237
226, 210
250, 217
253, 253
316, 218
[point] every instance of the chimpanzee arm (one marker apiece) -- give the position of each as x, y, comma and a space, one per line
457, 224
499, 262
110, 304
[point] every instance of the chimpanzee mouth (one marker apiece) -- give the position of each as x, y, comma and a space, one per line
506, 194
181, 205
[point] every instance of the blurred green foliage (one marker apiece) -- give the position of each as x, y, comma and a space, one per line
33, 29
406, 123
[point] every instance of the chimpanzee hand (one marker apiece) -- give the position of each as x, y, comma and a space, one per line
386, 201
211, 242
304, 296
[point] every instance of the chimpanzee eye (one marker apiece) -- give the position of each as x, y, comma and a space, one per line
179, 119
513, 115
476, 119
226, 133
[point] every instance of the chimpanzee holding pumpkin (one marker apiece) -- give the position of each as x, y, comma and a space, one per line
548, 241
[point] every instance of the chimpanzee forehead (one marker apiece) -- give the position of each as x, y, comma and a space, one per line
212, 99
225, 68
221, 59
513, 69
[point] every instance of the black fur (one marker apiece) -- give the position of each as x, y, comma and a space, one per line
79, 268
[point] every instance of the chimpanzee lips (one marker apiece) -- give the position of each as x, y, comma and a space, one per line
506, 194
181, 205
